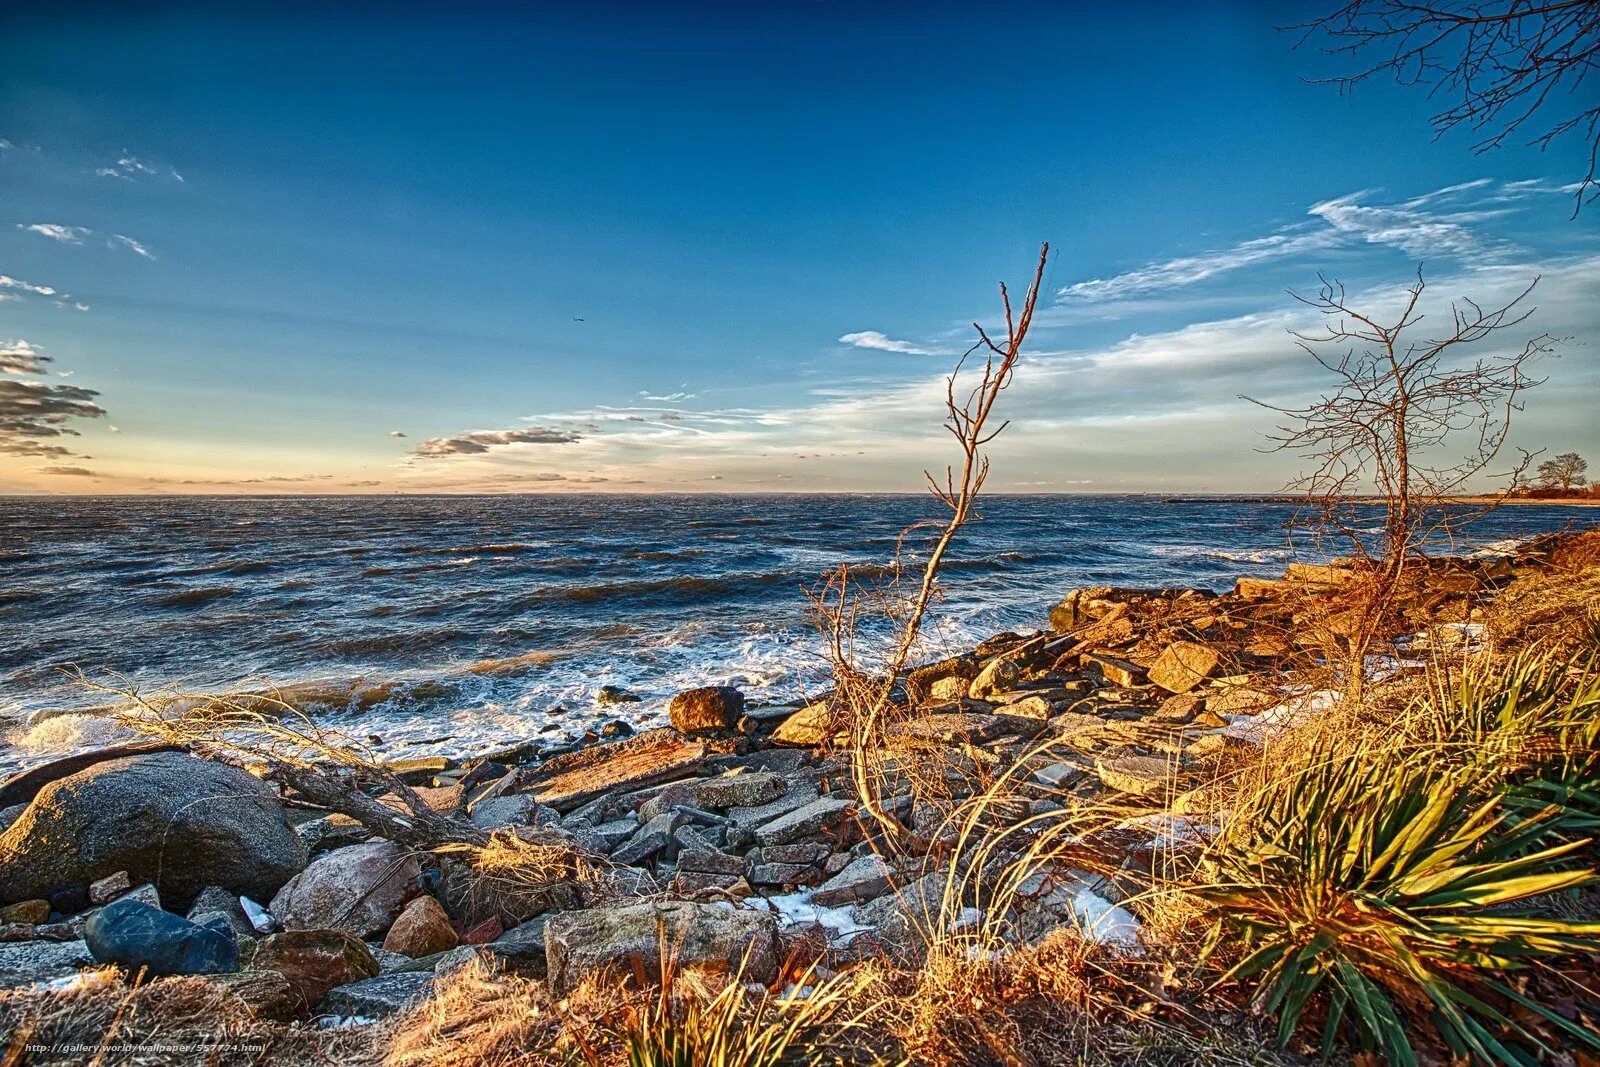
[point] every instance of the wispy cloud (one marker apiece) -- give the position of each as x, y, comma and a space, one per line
1444, 223
481, 441
74, 235
129, 167
667, 398
132, 245
17, 289
396, 433
69, 472
71, 235
17, 284
875, 340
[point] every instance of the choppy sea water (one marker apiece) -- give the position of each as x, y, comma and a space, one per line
464, 624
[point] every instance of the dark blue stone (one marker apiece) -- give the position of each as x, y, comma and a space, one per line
134, 934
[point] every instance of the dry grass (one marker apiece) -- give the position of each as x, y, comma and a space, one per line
102, 1021
526, 871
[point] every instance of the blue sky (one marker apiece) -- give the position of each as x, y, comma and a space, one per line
702, 248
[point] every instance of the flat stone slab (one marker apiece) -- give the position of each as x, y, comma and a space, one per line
373, 998
862, 879
569, 780
1183, 665
24, 963
1140, 775
815, 817
974, 727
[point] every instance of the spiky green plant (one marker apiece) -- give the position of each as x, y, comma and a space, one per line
1536, 713
739, 1028
1387, 882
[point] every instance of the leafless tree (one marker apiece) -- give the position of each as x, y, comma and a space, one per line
1564, 472
1413, 418
866, 695
1497, 63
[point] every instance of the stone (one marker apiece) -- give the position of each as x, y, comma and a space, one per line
817, 816
168, 818
1183, 665
974, 727
519, 809
1139, 775
421, 929
711, 707
358, 889
900, 919
956, 673
315, 961
1216, 744
710, 862
31, 912
139, 937
105, 890
521, 949
738, 790
1239, 700
794, 852
948, 689
1115, 670
628, 942
1000, 675
862, 879
811, 726
607, 695
567, 781
375, 998
214, 902
1257, 588
1318, 574
1181, 707
1029, 707
11, 814
613, 729
26, 963
1059, 775
783, 873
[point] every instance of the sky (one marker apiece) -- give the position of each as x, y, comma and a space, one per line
704, 248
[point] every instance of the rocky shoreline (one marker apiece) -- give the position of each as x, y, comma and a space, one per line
735, 836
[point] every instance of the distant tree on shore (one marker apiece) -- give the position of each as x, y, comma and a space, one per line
1565, 472
1498, 63
1411, 416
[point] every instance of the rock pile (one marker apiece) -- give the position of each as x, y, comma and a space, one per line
736, 833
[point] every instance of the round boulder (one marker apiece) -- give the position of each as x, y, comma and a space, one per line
358, 889
711, 707
166, 818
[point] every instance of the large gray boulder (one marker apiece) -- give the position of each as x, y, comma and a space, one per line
166, 818
627, 942
359, 889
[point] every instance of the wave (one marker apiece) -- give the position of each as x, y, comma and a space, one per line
192, 598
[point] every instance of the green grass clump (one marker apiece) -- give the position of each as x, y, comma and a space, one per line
1390, 885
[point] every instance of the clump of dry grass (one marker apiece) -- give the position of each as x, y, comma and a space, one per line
524, 871
478, 1017
1554, 600
101, 1020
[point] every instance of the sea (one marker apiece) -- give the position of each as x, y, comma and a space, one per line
466, 625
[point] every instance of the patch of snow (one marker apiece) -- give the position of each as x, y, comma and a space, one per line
1106, 923
1261, 727
1172, 831
795, 908
261, 920
967, 921
343, 1022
